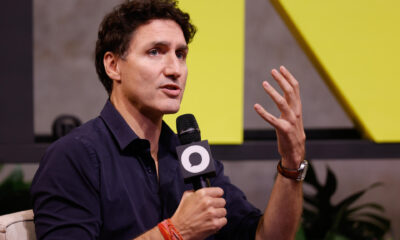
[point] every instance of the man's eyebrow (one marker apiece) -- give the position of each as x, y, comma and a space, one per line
157, 43
165, 43
183, 47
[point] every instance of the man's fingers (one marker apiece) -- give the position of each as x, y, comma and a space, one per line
280, 101
292, 80
218, 223
221, 222
271, 119
219, 202
287, 88
211, 192
220, 212
290, 87
296, 102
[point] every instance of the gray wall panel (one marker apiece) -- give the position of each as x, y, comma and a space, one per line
269, 44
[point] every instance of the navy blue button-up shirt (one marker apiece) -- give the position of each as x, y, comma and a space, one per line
100, 182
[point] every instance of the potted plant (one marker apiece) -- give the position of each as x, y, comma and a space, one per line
342, 221
14, 192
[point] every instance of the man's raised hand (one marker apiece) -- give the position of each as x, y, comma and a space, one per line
289, 126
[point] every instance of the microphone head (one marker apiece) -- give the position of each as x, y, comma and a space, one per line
187, 128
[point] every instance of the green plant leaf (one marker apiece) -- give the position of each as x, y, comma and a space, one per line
338, 219
349, 200
311, 178
362, 229
352, 198
384, 222
309, 215
14, 193
15, 180
300, 235
312, 200
335, 236
308, 212
322, 220
375, 206
330, 184
16, 175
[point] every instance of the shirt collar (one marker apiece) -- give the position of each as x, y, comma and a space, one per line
168, 138
117, 125
125, 135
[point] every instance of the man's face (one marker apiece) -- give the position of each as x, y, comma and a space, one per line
153, 71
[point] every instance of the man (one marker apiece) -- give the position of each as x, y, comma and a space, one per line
117, 176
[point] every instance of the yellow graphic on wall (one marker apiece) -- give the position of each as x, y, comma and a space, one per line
214, 89
356, 48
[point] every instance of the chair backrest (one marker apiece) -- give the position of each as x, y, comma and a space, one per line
17, 226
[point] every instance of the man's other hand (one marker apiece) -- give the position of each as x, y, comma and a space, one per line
201, 213
289, 126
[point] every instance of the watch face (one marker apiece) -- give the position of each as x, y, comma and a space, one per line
303, 170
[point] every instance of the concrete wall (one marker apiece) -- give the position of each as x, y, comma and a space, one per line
65, 82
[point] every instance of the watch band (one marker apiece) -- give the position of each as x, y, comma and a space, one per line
296, 174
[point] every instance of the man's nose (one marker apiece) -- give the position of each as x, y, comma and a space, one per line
172, 67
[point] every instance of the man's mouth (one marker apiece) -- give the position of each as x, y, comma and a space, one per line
171, 90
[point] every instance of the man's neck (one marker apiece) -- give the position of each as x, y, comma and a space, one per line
145, 126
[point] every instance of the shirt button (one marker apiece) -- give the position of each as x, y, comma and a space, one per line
149, 170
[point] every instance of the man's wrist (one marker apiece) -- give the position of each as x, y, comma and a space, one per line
297, 174
182, 228
168, 230
292, 161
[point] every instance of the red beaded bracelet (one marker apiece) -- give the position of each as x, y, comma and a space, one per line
163, 227
169, 231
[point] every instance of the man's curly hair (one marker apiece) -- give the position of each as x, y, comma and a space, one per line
117, 28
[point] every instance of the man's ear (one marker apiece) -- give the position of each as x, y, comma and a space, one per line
110, 61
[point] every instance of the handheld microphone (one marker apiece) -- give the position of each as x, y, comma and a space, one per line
197, 164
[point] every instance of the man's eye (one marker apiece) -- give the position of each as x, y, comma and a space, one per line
181, 54
153, 52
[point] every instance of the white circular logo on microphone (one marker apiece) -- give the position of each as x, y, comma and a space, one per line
205, 159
